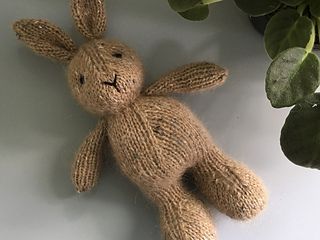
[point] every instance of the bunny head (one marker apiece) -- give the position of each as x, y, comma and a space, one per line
104, 76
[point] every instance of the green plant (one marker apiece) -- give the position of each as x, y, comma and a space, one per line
195, 10
294, 74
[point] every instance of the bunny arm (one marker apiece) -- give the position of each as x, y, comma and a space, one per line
189, 78
88, 161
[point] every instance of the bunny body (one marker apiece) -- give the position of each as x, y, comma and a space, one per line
171, 135
155, 141
155, 138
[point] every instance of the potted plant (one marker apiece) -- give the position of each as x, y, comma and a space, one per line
291, 32
290, 35
195, 10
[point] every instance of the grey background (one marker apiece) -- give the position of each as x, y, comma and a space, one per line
41, 126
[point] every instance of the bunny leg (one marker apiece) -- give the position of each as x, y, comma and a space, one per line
230, 186
182, 216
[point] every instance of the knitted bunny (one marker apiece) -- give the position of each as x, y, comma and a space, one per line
155, 139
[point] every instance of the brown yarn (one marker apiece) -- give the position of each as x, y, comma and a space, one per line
182, 216
89, 17
96, 63
155, 139
88, 162
230, 186
45, 39
189, 78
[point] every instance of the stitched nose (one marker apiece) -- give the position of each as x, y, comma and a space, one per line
112, 83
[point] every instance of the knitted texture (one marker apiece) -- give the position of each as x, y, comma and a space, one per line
101, 81
189, 78
45, 39
229, 185
87, 165
89, 17
155, 139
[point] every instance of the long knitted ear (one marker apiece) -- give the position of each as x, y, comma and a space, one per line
89, 17
189, 78
45, 39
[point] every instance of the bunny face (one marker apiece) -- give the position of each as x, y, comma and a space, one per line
105, 76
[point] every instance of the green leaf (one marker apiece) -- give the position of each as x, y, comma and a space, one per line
258, 7
318, 25
300, 136
198, 13
287, 29
315, 8
183, 5
292, 3
292, 76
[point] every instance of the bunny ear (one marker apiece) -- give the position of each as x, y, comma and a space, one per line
89, 17
189, 78
45, 39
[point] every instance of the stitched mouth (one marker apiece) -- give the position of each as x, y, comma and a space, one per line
113, 83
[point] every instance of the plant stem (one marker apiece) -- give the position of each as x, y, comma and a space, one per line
317, 22
302, 8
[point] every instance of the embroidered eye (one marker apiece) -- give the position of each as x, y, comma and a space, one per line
117, 55
81, 79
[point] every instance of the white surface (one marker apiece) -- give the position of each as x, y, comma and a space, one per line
41, 126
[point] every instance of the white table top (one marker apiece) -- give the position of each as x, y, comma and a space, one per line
41, 126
